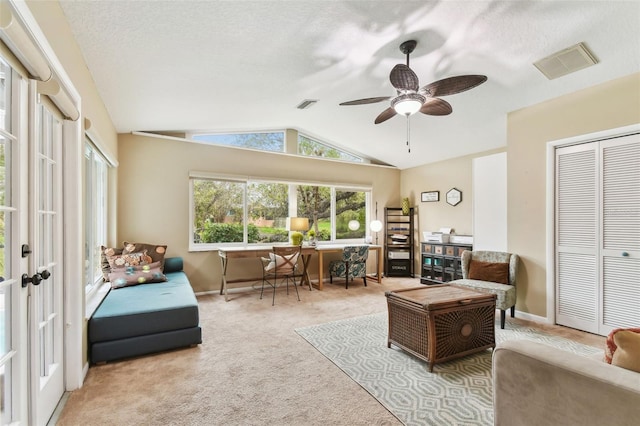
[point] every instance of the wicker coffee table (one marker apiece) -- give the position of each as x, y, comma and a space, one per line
438, 323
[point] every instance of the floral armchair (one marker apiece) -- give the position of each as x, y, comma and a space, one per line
352, 265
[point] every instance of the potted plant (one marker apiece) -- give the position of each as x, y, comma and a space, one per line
312, 237
296, 238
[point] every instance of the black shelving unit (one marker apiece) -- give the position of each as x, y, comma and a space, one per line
398, 244
441, 262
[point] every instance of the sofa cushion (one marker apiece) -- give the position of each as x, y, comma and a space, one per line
120, 261
506, 294
156, 251
135, 275
497, 272
105, 252
627, 353
145, 309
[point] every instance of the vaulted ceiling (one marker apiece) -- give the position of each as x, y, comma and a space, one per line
227, 66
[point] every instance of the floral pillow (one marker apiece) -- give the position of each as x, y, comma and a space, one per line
105, 252
156, 252
134, 275
128, 259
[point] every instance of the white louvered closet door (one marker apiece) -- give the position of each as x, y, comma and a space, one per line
620, 233
577, 203
598, 235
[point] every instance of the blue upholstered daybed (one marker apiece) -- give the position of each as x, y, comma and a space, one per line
146, 318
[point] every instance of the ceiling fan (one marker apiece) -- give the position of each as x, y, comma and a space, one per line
412, 98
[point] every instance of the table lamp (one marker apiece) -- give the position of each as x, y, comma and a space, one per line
297, 224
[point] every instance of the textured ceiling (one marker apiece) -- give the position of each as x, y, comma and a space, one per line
229, 66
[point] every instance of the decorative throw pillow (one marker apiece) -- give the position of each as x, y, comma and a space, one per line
134, 275
488, 271
128, 259
627, 354
105, 252
611, 346
277, 261
156, 252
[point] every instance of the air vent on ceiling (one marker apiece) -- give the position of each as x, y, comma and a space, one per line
307, 103
566, 61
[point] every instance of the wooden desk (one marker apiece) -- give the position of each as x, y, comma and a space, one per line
245, 252
334, 248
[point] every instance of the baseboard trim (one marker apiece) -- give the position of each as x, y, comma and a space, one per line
530, 317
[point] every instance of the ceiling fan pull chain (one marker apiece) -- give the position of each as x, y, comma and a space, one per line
408, 135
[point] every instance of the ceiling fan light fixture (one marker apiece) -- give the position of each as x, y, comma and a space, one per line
408, 104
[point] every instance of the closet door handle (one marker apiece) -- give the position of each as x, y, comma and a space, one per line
625, 254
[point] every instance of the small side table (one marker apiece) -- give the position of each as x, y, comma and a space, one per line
441, 322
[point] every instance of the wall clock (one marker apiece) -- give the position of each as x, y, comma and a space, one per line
454, 196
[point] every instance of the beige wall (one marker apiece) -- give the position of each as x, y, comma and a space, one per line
54, 26
610, 105
153, 195
440, 176
606, 106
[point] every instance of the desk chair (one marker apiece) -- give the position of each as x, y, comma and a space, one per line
281, 265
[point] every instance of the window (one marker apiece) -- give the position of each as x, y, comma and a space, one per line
95, 214
263, 141
313, 148
351, 221
243, 211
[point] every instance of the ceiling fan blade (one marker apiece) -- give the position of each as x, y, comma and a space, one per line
385, 115
453, 85
403, 78
367, 101
435, 106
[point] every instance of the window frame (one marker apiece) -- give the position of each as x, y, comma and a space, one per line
96, 205
194, 247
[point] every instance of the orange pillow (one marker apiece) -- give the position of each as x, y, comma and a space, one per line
628, 353
489, 271
610, 345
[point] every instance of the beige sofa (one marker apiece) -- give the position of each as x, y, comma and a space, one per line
536, 384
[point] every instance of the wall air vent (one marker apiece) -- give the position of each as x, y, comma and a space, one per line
566, 61
307, 103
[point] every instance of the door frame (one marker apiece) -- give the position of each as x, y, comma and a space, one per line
551, 202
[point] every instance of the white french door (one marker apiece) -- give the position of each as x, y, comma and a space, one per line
45, 312
31, 333
13, 299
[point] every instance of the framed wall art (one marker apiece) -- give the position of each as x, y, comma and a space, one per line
430, 196
454, 196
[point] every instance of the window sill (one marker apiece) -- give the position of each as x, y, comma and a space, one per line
95, 298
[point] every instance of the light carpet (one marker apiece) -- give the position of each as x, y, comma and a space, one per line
458, 392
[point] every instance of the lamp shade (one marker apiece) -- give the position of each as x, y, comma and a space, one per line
375, 226
298, 224
354, 225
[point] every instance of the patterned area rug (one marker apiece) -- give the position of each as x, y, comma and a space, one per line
458, 392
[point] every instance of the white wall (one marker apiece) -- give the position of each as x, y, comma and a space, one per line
490, 202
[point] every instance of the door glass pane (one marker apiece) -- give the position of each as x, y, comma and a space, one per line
5, 171
5, 96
